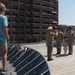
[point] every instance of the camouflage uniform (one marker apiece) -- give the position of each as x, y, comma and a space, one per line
59, 39
49, 43
70, 36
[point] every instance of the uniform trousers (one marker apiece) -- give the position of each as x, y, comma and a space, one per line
58, 47
49, 51
70, 46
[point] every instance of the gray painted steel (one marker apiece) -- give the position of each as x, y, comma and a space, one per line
27, 61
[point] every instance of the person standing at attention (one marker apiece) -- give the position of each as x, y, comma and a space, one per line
59, 39
70, 39
49, 38
3, 35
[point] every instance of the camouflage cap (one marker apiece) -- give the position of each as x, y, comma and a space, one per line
70, 28
50, 28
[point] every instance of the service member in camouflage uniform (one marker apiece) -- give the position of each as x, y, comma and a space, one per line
70, 38
49, 42
59, 39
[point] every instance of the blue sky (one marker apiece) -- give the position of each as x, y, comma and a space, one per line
66, 12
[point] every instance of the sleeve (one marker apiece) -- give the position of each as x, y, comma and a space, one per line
73, 35
53, 34
5, 21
